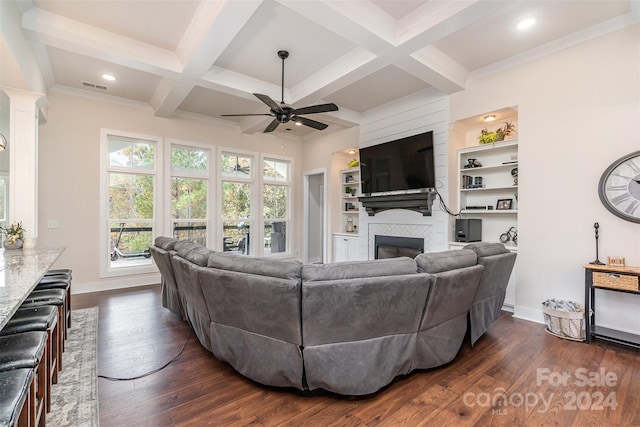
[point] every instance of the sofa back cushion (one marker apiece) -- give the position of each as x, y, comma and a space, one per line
194, 253
166, 243
483, 249
280, 268
355, 309
358, 269
437, 262
260, 304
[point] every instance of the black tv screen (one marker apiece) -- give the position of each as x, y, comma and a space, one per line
402, 164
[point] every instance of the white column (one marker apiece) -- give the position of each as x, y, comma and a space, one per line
23, 159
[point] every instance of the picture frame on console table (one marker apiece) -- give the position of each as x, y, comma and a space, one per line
504, 204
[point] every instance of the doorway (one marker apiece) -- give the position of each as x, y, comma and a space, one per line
315, 217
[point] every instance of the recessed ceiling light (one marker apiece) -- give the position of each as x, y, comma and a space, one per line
298, 124
526, 23
351, 151
108, 77
489, 118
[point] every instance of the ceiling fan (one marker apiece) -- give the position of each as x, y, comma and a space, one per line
284, 113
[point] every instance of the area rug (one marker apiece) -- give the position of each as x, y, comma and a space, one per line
74, 400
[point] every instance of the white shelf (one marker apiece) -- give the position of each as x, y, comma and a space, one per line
515, 187
488, 211
490, 167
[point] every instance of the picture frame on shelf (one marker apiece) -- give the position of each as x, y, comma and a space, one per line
504, 204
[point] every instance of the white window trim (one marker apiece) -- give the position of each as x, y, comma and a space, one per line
105, 269
290, 222
212, 201
254, 181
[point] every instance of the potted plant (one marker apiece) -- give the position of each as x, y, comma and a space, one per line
14, 234
487, 137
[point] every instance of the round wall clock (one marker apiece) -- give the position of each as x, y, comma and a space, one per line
619, 187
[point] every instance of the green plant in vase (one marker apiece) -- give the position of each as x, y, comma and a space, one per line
14, 234
487, 137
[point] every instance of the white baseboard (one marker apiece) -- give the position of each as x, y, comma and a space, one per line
530, 314
112, 283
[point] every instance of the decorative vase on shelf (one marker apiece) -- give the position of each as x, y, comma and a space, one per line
17, 244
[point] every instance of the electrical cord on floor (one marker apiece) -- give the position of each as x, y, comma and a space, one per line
154, 370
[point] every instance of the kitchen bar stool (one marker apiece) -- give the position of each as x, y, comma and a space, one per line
27, 350
55, 297
14, 397
58, 271
45, 319
58, 282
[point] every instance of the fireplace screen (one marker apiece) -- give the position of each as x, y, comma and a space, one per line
396, 246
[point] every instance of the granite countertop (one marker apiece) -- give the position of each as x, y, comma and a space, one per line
20, 271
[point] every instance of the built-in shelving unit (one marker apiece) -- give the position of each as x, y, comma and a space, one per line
486, 181
350, 207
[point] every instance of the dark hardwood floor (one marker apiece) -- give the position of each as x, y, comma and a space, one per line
515, 375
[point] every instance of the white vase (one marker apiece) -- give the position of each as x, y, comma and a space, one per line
16, 245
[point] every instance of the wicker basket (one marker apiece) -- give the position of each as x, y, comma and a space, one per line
615, 281
565, 324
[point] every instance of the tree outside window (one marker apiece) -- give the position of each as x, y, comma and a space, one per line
131, 181
189, 194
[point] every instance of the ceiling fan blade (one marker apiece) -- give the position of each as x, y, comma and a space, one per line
321, 108
242, 115
311, 123
272, 126
270, 102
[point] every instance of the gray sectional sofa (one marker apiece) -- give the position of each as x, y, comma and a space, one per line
348, 328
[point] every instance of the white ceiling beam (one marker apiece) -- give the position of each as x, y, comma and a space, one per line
213, 27
64, 33
343, 21
19, 51
335, 76
441, 71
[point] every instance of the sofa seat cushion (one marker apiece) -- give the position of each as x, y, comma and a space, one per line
438, 262
359, 269
279, 268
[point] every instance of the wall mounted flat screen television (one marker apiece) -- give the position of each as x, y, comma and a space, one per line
402, 164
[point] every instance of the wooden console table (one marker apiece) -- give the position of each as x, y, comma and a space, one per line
609, 278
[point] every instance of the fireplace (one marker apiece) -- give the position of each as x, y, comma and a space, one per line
397, 246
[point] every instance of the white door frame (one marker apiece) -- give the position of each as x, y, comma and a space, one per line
325, 222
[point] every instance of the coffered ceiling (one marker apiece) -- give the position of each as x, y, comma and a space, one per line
206, 58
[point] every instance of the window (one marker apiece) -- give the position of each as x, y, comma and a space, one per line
190, 193
275, 204
129, 206
236, 172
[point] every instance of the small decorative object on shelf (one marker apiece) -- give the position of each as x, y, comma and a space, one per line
514, 174
617, 261
596, 226
510, 236
472, 163
14, 235
350, 227
348, 178
504, 204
